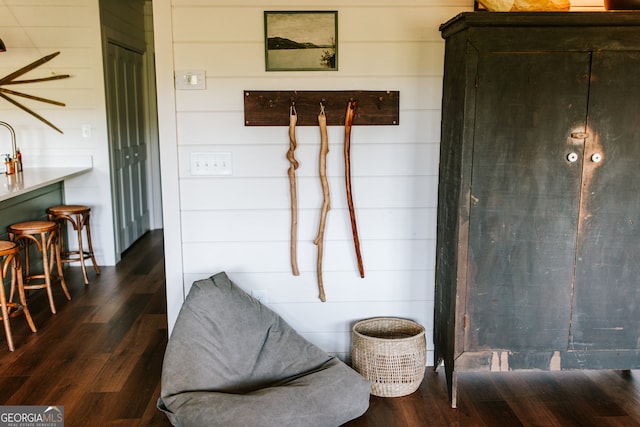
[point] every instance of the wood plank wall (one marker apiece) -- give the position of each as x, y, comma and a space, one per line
241, 223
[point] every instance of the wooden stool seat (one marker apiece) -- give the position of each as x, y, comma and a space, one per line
68, 209
78, 216
32, 227
11, 254
6, 247
44, 235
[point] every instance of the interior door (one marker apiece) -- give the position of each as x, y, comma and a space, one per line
128, 149
606, 308
524, 199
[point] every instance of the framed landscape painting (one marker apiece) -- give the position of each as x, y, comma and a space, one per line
301, 40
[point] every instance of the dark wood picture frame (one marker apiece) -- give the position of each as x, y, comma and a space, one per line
301, 40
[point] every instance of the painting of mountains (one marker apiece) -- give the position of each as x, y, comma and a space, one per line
301, 40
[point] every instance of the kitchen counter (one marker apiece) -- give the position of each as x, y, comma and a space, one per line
25, 196
35, 178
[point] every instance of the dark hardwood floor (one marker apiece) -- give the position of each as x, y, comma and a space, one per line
562, 399
101, 356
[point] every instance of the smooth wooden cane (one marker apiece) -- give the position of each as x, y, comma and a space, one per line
348, 122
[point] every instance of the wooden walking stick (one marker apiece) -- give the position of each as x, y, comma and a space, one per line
324, 149
293, 118
348, 122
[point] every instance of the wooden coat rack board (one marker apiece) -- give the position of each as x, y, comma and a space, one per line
271, 108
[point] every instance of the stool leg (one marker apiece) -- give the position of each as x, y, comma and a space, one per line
16, 276
58, 261
93, 258
23, 243
5, 318
27, 261
81, 249
62, 231
5, 310
12, 291
46, 246
13, 288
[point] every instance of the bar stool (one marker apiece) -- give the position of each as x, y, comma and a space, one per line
78, 216
11, 254
44, 234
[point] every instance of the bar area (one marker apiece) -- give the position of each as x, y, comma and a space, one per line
27, 194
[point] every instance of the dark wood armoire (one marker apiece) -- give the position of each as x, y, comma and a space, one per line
538, 244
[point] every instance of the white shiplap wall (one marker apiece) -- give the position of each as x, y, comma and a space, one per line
240, 224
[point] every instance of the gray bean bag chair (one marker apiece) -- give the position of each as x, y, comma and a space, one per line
231, 361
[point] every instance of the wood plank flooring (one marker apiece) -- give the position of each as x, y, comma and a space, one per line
559, 399
101, 357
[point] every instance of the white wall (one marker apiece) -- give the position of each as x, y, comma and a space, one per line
32, 29
240, 224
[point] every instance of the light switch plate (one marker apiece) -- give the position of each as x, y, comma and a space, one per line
211, 163
191, 80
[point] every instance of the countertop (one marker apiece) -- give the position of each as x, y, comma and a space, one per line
33, 178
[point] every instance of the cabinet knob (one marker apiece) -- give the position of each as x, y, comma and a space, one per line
596, 157
572, 157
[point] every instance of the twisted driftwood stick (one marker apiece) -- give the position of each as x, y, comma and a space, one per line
348, 122
293, 118
324, 149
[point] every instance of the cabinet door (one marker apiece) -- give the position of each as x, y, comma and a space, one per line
606, 309
524, 199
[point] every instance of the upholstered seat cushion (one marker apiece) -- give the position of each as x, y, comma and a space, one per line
231, 361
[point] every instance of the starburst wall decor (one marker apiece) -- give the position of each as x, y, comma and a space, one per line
10, 79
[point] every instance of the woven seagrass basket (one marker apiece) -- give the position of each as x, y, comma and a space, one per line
391, 353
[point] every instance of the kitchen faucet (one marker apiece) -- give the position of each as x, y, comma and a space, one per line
13, 138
